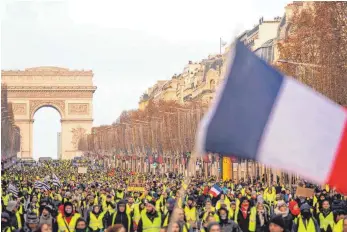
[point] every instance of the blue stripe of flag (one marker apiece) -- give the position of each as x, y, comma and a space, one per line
244, 105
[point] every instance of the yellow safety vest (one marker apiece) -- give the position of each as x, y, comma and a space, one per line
5, 199
19, 220
67, 227
9, 229
186, 227
190, 213
252, 218
96, 223
129, 220
338, 226
108, 208
308, 228
119, 196
326, 221
148, 225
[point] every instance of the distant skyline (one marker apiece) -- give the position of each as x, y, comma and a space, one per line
129, 45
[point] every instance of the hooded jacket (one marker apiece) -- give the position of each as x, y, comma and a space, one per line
121, 217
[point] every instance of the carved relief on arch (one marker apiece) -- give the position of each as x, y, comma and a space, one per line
36, 104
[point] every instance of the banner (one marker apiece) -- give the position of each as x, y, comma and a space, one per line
227, 168
135, 189
82, 170
304, 192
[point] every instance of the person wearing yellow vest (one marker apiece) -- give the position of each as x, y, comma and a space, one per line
183, 225
305, 222
119, 195
191, 212
340, 218
5, 223
223, 201
207, 210
245, 216
15, 217
108, 207
325, 217
95, 219
150, 220
31, 223
170, 205
210, 219
67, 219
121, 217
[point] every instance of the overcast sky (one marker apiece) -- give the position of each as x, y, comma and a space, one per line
129, 45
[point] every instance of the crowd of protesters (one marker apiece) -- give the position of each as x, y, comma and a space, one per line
100, 200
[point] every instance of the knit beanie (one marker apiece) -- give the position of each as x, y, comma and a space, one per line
278, 220
32, 218
171, 202
121, 202
11, 205
49, 208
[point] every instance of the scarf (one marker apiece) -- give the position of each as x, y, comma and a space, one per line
244, 211
46, 219
261, 217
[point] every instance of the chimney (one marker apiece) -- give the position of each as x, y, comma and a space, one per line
190, 62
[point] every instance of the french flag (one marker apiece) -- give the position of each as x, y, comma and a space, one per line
215, 190
262, 115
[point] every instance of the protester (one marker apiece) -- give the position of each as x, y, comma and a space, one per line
32, 223
305, 221
283, 210
226, 223
81, 225
213, 227
121, 216
277, 224
93, 201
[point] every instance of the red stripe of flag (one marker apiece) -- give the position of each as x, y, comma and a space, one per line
338, 174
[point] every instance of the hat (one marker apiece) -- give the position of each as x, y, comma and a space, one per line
5, 215
32, 218
49, 208
121, 202
11, 205
281, 203
67, 204
260, 199
171, 202
305, 206
278, 220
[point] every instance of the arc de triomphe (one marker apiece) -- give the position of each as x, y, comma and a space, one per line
70, 92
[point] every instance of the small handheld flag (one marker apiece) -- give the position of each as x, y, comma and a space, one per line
215, 190
13, 189
262, 115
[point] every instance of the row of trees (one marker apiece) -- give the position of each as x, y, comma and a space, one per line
10, 133
317, 34
163, 128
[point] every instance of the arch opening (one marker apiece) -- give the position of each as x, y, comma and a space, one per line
46, 132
